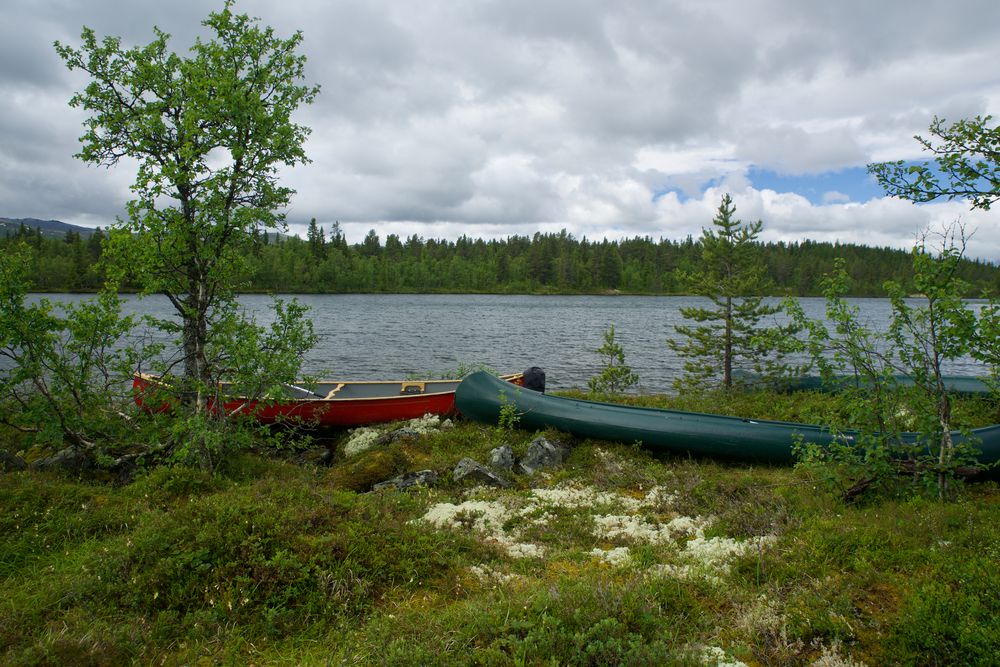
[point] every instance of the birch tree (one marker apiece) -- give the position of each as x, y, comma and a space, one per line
209, 130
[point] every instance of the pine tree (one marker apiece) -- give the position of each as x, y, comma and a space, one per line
726, 336
616, 375
316, 239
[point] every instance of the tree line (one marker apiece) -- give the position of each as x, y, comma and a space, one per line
324, 262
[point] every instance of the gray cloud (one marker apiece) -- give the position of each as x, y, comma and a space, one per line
490, 117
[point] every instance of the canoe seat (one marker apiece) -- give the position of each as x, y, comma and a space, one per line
411, 388
333, 392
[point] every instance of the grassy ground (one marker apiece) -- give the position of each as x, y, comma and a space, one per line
618, 556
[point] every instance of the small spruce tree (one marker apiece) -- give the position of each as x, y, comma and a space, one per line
726, 336
615, 376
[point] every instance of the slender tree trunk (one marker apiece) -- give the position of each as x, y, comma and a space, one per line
727, 359
946, 456
197, 373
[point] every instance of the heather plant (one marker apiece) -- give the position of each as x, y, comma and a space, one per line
266, 562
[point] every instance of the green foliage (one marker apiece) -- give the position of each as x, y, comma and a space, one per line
194, 223
272, 563
188, 557
615, 375
918, 342
943, 329
966, 165
728, 336
256, 361
70, 366
565, 265
953, 615
586, 620
860, 464
509, 416
244, 565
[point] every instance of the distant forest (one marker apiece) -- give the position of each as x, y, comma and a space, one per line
541, 264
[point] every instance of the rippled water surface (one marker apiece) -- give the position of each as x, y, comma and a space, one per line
383, 336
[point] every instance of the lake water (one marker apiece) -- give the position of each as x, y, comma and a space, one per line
388, 336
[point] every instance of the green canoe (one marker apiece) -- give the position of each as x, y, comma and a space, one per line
956, 384
480, 396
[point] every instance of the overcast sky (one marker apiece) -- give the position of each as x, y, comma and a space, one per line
609, 119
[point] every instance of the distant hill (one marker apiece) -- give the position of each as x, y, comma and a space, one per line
56, 229
50, 228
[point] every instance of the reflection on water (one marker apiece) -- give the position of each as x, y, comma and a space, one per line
388, 336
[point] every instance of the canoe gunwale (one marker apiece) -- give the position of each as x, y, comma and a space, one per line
509, 378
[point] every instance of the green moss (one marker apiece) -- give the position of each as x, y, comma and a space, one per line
270, 562
364, 470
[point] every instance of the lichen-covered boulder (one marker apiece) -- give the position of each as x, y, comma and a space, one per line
408, 479
11, 462
70, 459
502, 458
471, 470
361, 473
543, 454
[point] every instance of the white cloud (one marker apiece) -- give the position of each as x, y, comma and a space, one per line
789, 149
834, 197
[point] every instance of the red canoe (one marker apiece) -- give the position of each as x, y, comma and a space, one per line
333, 403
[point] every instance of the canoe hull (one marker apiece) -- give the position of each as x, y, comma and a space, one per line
688, 433
372, 402
955, 384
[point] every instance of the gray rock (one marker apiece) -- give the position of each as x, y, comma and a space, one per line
70, 459
320, 456
399, 434
468, 469
502, 458
543, 454
11, 462
408, 479
125, 469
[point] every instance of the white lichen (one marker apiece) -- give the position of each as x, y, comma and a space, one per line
716, 552
617, 557
638, 529
491, 575
707, 558
659, 496
483, 516
362, 439
831, 657
487, 518
524, 550
503, 518
426, 424
714, 656
585, 497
